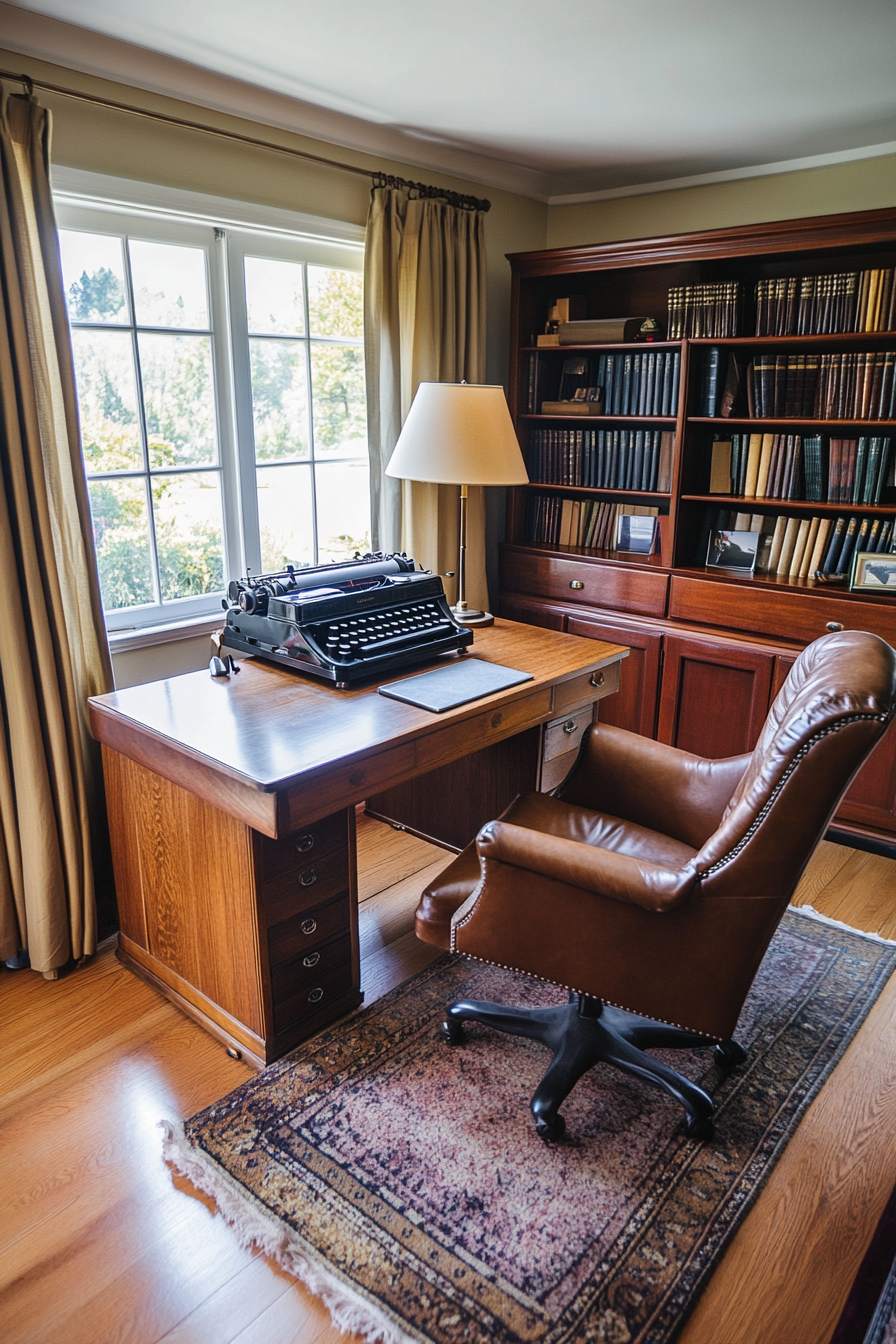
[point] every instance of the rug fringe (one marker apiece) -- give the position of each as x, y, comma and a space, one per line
255, 1226
810, 912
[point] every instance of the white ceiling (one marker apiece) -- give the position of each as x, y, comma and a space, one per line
580, 97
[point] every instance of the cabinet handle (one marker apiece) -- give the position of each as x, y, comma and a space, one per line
576, 583
311, 960
315, 996
308, 878
597, 679
569, 726
833, 626
304, 843
309, 925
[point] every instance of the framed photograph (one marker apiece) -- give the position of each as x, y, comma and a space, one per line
874, 572
733, 550
635, 532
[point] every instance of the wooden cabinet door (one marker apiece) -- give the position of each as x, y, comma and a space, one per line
714, 696
634, 704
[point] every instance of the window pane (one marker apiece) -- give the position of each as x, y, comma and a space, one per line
285, 513
107, 398
274, 297
338, 398
178, 398
93, 276
335, 304
279, 399
121, 532
169, 285
188, 534
343, 510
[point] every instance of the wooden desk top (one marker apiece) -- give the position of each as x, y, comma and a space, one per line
277, 749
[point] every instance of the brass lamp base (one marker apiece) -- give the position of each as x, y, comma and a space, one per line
471, 617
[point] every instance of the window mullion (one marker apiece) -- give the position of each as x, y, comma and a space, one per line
242, 397
144, 433
313, 456
225, 405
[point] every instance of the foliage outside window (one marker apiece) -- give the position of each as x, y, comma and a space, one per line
221, 392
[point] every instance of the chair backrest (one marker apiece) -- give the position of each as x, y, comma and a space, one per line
832, 710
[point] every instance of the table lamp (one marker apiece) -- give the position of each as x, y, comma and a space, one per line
459, 434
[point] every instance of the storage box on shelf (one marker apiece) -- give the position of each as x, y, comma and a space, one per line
710, 647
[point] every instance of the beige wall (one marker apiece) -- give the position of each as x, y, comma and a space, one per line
122, 145
867, 184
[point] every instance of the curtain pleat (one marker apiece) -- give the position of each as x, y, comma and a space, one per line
53, 649
424, 322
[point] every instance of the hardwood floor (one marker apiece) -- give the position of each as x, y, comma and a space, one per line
100, 1244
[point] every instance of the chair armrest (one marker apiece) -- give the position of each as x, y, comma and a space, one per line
652, 784
616, 876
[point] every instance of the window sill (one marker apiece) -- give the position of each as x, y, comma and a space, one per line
145, 636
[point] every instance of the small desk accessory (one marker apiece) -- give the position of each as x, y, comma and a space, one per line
447, 687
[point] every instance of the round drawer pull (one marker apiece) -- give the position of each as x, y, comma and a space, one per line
315, 996
569, 726
577, 584
833, 626
311, 960
597, 678
304, 843
308, 878
309, 925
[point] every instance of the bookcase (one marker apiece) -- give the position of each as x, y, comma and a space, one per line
710, 647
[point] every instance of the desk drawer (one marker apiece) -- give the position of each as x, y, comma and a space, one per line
280, 858
310, 882
564, 735
290, 979
297, 936
313, 997
587, 688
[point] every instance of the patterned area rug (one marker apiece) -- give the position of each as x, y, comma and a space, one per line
403, 1182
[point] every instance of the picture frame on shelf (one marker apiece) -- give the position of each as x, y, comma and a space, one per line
873, 572
733, 550
636, 533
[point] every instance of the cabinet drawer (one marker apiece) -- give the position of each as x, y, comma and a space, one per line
297, 936
305, 971
310, 882
587, 688
312, 998
769, 611
603, 585
564, 735
283, 857
554, 772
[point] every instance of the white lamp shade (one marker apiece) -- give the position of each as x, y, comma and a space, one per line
458, 434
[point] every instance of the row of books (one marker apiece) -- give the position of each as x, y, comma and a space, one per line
608, 459
800, 548
704, 310
812, 467
815, 304
639, 384
589, 524
855, 386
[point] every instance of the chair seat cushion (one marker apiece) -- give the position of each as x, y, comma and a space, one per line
551, 816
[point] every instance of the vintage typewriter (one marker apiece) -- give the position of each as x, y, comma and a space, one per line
344, 622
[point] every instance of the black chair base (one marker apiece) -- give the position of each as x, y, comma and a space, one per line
583, 1032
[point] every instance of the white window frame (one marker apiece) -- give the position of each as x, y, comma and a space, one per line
227, 230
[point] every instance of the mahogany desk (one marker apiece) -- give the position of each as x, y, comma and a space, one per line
231, 810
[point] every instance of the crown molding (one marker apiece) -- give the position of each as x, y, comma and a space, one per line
70, 47
729, 174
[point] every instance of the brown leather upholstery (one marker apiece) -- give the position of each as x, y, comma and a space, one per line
654, 879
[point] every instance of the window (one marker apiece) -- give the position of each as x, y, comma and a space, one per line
220, 379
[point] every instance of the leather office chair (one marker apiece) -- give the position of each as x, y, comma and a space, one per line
651, 882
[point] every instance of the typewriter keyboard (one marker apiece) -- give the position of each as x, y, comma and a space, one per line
383, 632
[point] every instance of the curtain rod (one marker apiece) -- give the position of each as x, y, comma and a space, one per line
379, 179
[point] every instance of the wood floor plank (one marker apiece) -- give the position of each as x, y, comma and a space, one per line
389, 915
821, 870
392, 965
386, 855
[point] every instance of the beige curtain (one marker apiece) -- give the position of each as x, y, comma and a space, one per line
53, 650
424, 321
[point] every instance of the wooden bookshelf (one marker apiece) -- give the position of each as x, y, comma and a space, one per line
710, 648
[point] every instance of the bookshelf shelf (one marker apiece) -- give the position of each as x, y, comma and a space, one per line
708, 646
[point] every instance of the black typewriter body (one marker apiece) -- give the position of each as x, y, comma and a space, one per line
344, 622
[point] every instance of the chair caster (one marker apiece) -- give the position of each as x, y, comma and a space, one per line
728, 1054
550, 1130
703, 1130
452, 1032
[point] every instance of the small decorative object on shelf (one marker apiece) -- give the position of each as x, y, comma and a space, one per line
873, 574
605, 330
